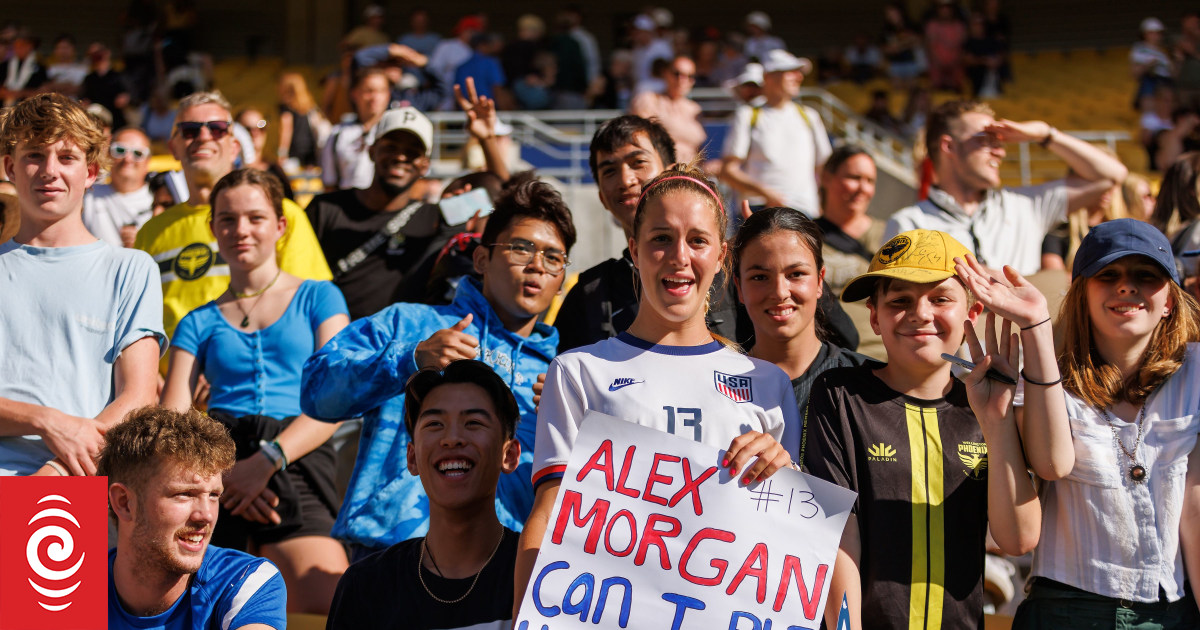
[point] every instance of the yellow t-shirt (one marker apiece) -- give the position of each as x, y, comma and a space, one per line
193, 272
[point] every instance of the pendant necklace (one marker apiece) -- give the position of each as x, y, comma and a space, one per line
1137, 472
421, 561
237, 299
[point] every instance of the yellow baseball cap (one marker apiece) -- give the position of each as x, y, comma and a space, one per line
915, 256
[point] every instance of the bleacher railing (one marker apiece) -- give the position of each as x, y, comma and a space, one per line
563, 137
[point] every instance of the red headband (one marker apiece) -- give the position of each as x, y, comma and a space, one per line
688, 178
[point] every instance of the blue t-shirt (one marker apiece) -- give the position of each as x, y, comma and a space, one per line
486, 71
258, 373
66, 314
232, 589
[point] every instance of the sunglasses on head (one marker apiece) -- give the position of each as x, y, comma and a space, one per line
119, 151
191, 130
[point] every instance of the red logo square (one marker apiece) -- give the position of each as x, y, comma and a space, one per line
54, 553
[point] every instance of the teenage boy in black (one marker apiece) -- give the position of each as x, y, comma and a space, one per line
461, 421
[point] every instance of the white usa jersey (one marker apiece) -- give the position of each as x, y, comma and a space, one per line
707, 393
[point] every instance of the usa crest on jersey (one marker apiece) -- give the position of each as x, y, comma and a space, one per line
734, 387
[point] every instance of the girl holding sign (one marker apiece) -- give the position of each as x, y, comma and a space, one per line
667, 371
1110, 545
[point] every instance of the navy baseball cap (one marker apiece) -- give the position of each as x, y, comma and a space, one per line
1113, 240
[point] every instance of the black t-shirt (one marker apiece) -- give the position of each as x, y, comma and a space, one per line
383, 591
602, 304
830, 357
104, 89
1057, 241
920, 470
396, 270
304, 141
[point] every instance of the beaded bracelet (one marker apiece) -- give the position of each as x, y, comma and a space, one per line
1040, 384
62, 470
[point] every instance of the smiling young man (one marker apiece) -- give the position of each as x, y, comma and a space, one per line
461, 423
362, 370
1000, 226
179, 240
164, 472
625, 153
80, 320
377, 238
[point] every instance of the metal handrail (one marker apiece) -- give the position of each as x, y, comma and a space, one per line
566, 134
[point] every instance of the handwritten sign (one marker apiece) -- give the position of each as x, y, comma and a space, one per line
649, 531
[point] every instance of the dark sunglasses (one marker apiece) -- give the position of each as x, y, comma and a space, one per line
191, 130
119, 151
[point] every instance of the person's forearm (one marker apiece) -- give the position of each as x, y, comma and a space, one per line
1170, 147
21, 418
1014, 513
733, 175
130, 399
1189, 519
285, 135
531, 540
493, 159
1045, 429
1086, 160
846, 580
135, 381
304, 435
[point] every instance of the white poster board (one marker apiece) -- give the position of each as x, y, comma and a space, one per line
649, 531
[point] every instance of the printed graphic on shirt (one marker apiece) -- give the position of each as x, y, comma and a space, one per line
973, 455
619, 383
881, 453
193, 261
735, 388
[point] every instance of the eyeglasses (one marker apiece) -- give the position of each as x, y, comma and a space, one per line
986, 139
121, 151
522, 252
191, 130
684, 75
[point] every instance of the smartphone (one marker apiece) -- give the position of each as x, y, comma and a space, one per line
457, 209
993, 373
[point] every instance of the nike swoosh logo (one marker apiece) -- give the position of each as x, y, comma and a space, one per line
615, 386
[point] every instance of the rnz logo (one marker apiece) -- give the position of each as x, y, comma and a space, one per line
50, 521
53, 552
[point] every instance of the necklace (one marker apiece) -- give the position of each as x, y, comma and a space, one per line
421, 562
239, 296
1137, 472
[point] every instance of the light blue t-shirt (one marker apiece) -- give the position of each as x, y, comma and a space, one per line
66, 314
258, 373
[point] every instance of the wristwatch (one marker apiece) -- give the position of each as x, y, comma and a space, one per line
273, 453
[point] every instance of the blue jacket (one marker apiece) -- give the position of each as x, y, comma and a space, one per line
362, 372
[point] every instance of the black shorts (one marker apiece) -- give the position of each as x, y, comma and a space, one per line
307, 496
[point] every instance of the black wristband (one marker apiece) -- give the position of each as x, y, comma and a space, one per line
1032, 326
1045, 142
1040, 384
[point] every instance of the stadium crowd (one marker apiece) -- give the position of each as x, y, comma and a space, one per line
360, 408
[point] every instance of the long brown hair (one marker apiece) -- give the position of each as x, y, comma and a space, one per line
1087, 375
